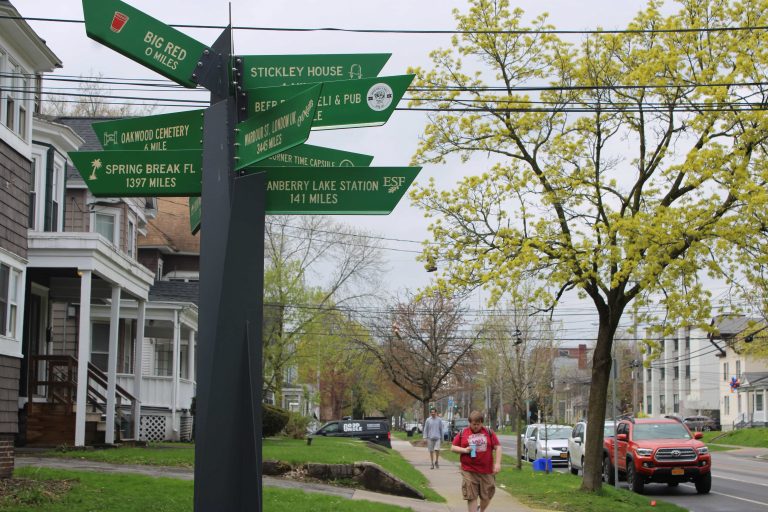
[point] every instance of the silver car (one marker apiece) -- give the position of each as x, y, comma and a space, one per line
576, 443
549, 442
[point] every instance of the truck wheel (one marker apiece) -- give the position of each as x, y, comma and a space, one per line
634, 480
703, 483
608, 476
573, 470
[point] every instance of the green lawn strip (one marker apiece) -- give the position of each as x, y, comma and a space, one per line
560, 491
127, 493
154, 454
330, 450
748, 437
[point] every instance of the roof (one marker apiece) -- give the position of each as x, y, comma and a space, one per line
82, 127
170, 229
755, 379
15, 28
175, 291
732, 325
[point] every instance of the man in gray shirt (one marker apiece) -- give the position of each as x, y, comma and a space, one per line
433, 433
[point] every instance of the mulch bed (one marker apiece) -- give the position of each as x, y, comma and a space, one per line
25, 491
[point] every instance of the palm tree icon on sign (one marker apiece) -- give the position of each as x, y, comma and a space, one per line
95, 165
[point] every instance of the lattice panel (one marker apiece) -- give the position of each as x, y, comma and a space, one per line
152, 428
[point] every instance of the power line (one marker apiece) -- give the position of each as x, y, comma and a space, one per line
597, 31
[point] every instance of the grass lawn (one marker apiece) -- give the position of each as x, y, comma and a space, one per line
82, 491
560, 491
751, 437
324, 450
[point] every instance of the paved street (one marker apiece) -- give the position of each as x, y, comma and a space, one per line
739, 483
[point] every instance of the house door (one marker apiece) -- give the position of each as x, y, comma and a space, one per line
36, 342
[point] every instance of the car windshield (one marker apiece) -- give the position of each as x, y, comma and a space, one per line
556, 433
660, 431
461, 423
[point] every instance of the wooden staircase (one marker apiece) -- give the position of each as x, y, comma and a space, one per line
51, 422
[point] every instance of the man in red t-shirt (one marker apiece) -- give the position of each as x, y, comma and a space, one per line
478, 464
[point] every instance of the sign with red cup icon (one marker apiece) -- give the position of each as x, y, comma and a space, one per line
118, 22
144, 39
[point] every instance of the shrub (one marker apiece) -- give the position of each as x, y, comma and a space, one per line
273, 420
297, 426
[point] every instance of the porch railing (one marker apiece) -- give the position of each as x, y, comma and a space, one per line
54, 377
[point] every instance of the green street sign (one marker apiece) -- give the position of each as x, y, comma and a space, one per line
343, 103
272, 70
180, 130
144, 39
306, 155
141, 173
278, 129
336, 190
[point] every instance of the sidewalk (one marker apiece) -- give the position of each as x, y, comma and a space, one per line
446, 481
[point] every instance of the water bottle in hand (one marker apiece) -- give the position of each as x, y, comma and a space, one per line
472, 450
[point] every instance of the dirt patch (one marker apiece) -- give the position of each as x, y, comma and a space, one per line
25, 491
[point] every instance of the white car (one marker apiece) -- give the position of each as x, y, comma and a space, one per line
524, 436
548, 442
576, 444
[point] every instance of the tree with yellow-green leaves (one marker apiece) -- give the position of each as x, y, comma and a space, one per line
624, 165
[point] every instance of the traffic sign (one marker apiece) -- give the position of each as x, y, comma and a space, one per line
272, 70
306, 155
144, 39
140, 173
336, 190
277, 129
179, 130
342, 103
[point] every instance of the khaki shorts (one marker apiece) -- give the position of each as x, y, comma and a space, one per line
433, 445
475, 485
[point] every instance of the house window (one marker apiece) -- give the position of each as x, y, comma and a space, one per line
648, 408
677, 372
648, 374
661, 373
738, 403
56, 193
738, 368
675, 403
687, 371
759, 402
677, 344
100, 345
9, 301
32, 195
163, 357
662, 404
564, 353
725, 371
726, 406
131, 242
687, 343
104, 224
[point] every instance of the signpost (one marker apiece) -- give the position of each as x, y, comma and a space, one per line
180, 130
144, 39
276, 129
140, 173
272, 70
342, 103
254, 164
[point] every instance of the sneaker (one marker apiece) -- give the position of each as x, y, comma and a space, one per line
437, 465
433, 466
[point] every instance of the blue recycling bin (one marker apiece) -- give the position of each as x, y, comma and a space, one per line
542, 465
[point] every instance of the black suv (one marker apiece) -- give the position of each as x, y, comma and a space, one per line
702, 423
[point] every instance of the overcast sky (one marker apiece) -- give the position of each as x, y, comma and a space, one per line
392, 144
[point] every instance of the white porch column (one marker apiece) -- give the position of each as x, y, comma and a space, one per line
83, 355
138, 360
191, 356
176, 365
114, 322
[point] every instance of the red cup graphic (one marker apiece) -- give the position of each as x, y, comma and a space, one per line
118, 22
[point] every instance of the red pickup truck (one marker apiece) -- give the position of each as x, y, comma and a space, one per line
657, 451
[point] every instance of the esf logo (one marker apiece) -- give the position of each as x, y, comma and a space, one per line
352, 427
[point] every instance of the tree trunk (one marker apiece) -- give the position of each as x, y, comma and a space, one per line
601, 370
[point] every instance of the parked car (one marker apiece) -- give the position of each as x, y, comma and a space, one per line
413, 427
549, 442
577, 442
525, 435
375, 431
657, 451
702, 423
457, 425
